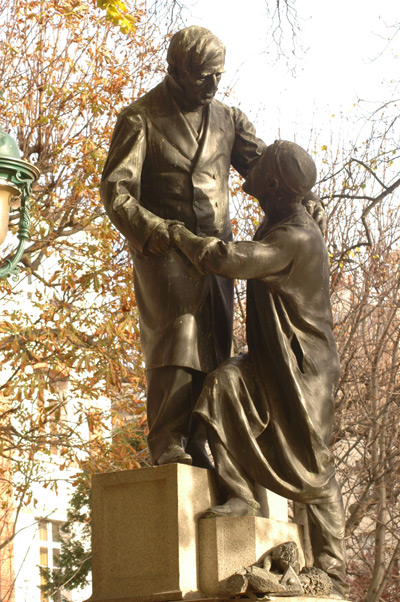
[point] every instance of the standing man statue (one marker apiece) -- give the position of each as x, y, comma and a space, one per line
169, 161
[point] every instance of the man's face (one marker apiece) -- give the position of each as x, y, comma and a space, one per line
199, 86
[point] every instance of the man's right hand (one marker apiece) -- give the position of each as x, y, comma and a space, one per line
159, 241
315, 208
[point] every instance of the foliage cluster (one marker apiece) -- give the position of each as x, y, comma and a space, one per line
72, 368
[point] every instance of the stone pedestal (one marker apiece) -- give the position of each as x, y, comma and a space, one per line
148, 544
144, 533
272, 598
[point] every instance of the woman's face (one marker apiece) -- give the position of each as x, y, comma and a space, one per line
262, 181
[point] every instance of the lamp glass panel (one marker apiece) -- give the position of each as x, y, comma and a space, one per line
5, 196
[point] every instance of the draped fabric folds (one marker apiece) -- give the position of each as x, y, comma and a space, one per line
273, 407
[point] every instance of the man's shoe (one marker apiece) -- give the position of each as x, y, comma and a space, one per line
174, 455
233, 507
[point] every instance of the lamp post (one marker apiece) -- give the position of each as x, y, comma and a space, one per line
16, 180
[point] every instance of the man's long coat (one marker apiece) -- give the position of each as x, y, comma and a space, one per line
155, 170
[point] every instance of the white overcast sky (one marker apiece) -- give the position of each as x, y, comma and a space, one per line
338, 61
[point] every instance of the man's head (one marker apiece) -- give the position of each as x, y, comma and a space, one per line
285, 172
196, 59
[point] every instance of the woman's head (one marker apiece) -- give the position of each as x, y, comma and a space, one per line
284, 172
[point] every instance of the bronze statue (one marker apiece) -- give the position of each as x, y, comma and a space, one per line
269, 412
169, 160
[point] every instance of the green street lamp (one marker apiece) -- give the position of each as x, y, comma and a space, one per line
16, 180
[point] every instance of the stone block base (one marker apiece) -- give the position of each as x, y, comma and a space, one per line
148, 544
144, 533
268, 598
300, 599
228, 544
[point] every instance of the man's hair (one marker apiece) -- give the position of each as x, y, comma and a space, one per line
192, 47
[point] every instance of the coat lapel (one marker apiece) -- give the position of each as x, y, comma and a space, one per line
167, 118
214, 134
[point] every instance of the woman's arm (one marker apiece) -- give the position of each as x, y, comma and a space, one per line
252, 259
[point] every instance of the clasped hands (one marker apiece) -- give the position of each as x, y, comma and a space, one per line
164, 237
